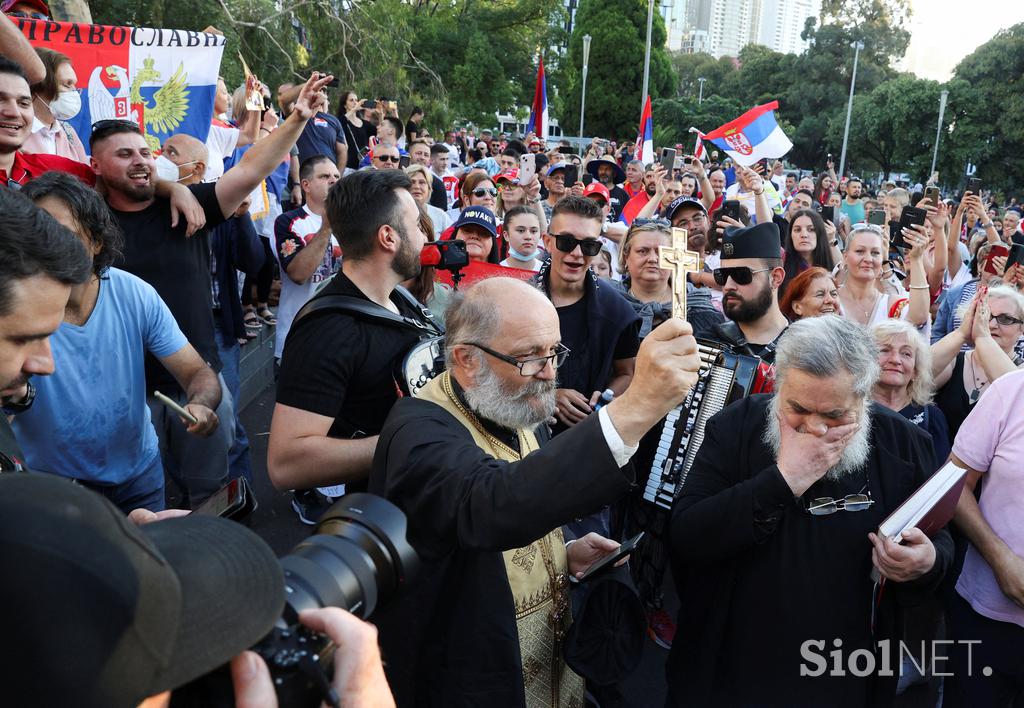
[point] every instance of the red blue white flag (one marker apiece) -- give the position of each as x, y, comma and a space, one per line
163, 79
644, 150
538, 123
753, 136
698, 148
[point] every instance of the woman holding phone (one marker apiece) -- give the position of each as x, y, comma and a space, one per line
859, 295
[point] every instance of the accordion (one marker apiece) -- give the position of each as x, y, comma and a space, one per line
724, 377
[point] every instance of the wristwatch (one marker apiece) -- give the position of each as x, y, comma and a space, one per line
16, 407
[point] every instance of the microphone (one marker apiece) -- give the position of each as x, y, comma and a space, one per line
445, 255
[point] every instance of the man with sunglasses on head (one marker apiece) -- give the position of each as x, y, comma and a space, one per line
597, 323
774, 536
750, 275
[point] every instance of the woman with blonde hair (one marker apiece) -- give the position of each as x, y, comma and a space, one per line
421, 190
905, 384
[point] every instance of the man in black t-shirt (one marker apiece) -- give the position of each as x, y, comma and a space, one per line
598, 325
337, 383
42, 261
177, 265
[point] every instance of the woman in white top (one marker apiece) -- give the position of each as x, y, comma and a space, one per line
421, 187
56, 100
859, 294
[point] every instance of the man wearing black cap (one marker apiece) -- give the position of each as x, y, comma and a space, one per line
607, 171
104, 614
36, 276
750, 275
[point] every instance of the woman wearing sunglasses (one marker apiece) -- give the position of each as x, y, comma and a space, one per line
862, 301
993, 323
478, 190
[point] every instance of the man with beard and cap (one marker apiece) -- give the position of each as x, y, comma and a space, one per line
606, 171
486, 496
750, 275
773, 543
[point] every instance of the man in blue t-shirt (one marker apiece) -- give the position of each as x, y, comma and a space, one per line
90, 420
323, 135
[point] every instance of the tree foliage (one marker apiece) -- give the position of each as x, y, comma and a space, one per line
615, 73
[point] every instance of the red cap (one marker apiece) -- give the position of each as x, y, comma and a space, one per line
38, 5
599, 189
536, 141
508, 176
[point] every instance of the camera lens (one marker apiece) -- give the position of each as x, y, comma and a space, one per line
358, 558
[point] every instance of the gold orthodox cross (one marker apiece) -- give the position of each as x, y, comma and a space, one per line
680, 261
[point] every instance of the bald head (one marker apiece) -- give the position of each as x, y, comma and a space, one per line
189, 154
502, 338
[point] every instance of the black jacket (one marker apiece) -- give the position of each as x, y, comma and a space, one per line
736, 510
451, 639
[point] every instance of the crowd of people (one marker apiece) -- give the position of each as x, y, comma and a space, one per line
883, 326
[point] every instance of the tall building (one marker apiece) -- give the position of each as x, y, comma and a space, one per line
782, 22
724, 27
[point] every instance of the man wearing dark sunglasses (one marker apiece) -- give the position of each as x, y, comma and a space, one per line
385, 156
597, 323
750, 274
774, 537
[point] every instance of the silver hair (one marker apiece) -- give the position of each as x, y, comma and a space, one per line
468, 319
821, 346
922, 385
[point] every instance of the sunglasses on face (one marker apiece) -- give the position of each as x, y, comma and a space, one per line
484, 191
567, 243
741, 275
387, 158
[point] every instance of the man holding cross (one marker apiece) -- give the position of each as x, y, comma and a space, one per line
597, 324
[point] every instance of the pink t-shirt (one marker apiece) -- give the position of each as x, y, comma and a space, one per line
991, 440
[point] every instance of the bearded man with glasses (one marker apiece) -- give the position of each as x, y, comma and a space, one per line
773, 538
487, 495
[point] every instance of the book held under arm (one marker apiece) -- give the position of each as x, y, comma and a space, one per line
929, 508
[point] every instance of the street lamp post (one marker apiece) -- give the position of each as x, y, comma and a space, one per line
938, 131
857, 46
700, 96
583, 92
647, 54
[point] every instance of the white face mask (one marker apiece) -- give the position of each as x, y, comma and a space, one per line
167, 170
66, 105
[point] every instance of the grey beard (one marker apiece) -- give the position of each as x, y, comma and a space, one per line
854, 456
510, 409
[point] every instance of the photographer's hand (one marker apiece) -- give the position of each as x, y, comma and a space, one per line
358, 672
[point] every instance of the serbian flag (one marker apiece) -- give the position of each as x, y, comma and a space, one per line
644, 150
163, 79
538, 123
753, 136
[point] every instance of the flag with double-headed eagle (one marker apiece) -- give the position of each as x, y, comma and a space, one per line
753, 136
163, 79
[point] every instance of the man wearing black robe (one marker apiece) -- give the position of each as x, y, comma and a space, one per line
759, 574
453, 638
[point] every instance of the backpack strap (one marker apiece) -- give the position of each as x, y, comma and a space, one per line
368, 310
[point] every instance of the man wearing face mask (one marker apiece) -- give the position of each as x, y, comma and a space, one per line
56, 100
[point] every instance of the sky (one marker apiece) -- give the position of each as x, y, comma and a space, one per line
945, 31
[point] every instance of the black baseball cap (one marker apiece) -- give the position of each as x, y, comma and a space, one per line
100, 612
679, 202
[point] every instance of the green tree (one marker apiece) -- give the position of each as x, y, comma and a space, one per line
895, 127
880, 24
691, 67
988, 109
615, 78
673, 117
